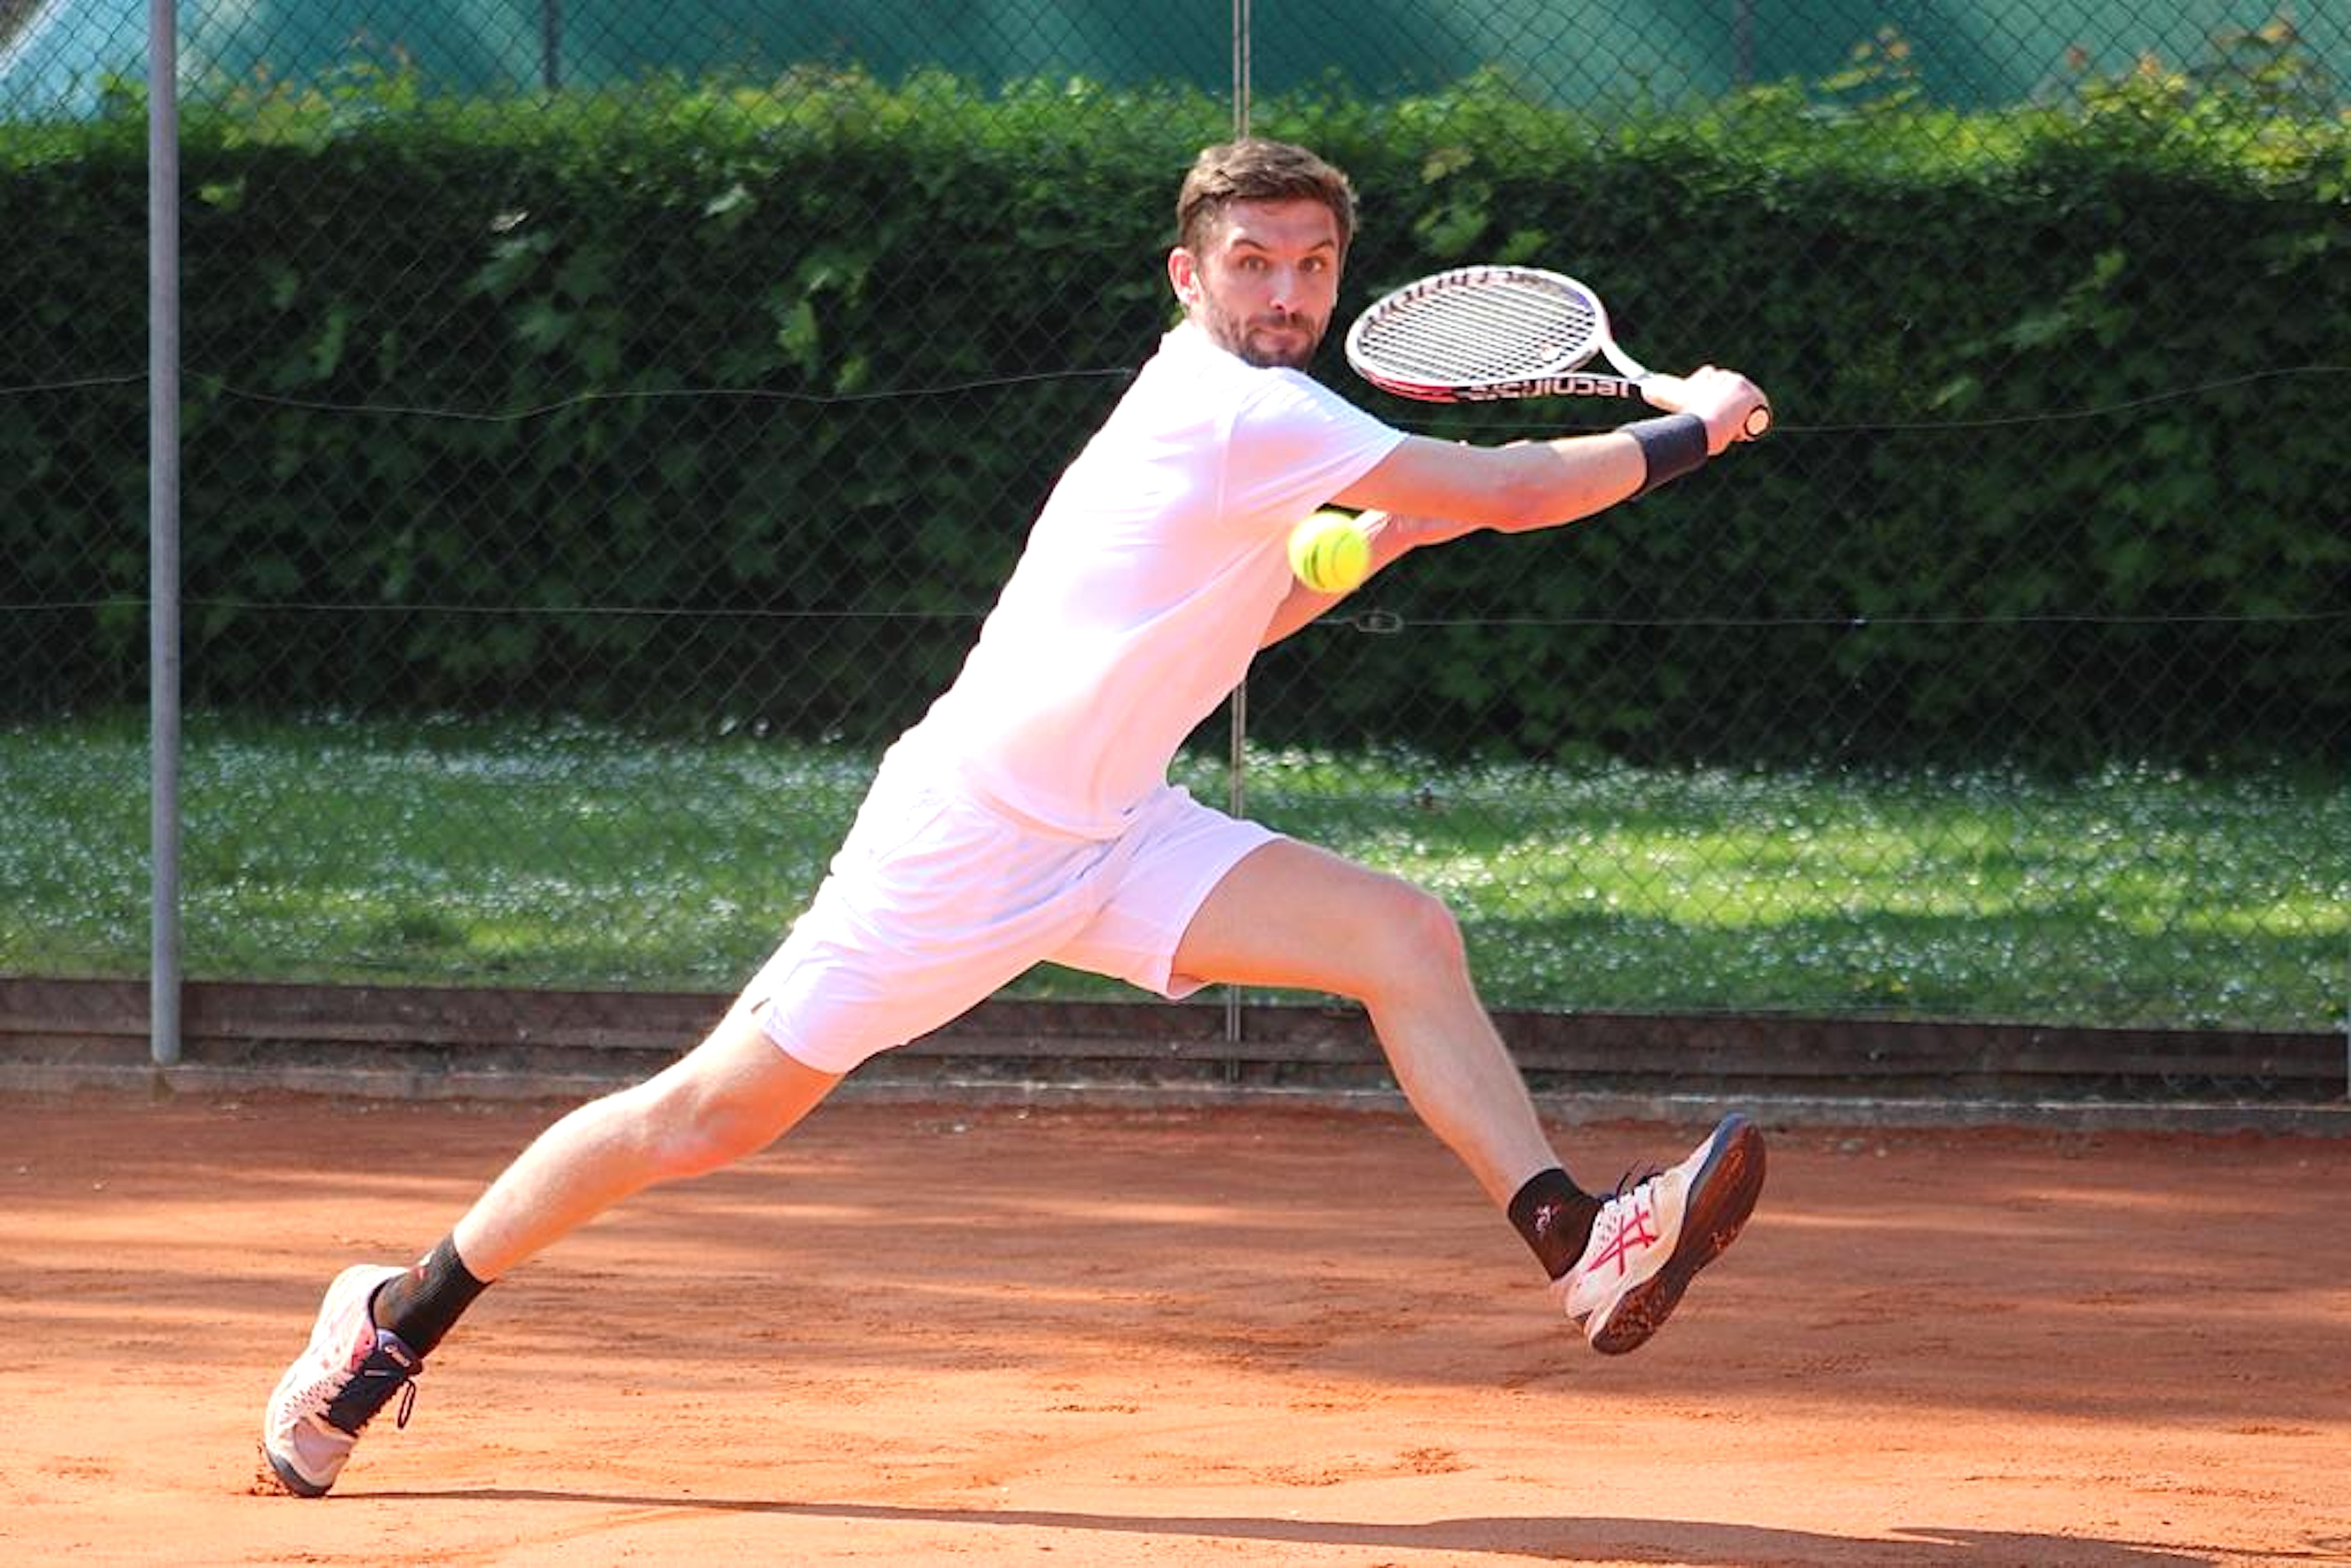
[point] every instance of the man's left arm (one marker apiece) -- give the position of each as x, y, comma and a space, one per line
1392, 537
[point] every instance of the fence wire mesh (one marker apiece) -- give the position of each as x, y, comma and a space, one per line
550, 590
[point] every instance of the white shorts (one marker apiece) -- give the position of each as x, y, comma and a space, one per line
937, 899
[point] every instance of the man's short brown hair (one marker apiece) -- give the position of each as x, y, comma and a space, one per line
1255, 169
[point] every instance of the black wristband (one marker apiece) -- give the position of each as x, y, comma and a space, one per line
1671, 446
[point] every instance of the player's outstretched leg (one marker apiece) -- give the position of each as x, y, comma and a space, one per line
1653, 1236
349, 1370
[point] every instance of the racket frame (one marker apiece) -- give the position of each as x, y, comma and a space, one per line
1564, 377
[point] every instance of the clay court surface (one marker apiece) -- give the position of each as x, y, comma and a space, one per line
927, 1334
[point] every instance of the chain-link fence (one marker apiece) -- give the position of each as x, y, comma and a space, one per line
605, 425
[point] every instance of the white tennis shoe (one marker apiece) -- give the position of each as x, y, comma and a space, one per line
335, 1387
1654, 1235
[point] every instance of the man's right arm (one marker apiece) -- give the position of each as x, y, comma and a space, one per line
1536, 485
1539, 485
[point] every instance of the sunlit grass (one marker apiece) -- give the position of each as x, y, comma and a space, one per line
2134, 894
572, 855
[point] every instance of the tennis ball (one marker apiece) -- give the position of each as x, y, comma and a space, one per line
1330, 553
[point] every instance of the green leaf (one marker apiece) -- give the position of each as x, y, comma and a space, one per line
327, 349
542, 327
797, 337
585, 274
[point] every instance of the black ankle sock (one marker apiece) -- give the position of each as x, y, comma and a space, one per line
1555, 1217
424, 1304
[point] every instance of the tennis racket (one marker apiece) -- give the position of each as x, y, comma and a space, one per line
1483, 334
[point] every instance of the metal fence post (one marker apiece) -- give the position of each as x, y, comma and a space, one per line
1236, 777
163, 530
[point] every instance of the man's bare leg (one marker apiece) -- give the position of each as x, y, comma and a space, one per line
1296, 917
731, 1096
1293, 916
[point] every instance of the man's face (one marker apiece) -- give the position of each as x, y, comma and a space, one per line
1264, 285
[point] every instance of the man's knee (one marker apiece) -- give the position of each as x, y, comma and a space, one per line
725, 1100
1413, 941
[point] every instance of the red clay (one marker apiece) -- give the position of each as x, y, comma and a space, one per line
929, 1335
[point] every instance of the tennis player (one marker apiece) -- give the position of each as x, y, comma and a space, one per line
1028, 815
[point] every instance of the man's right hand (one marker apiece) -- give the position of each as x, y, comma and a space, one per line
1724, 399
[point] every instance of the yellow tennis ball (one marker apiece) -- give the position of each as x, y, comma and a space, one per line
1330, 553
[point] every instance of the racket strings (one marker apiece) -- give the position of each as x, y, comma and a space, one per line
1488, 332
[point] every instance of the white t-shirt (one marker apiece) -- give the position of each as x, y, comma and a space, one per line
1147, 582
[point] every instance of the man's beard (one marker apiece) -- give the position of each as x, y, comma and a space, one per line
1293, 351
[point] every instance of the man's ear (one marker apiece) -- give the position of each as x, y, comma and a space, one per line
1184, 275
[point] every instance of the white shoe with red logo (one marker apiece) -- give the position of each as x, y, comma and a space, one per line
335, 1387
1653, 1236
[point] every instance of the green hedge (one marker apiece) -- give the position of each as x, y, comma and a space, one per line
1996, 492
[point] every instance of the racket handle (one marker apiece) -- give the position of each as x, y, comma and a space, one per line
1759, 423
